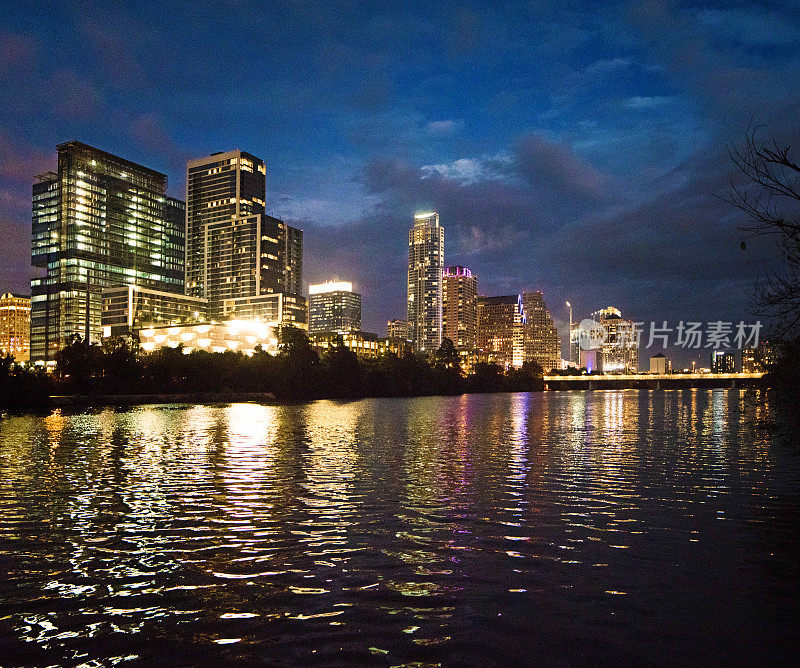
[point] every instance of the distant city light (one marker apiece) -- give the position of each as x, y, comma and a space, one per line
330, 286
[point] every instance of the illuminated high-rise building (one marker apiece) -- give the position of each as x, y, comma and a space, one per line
459, 307
291, 255
15, 326
333, 307
723, 361
100, 220
236, 254
501, 330
619, 351
232, 246
425, 264
542, 344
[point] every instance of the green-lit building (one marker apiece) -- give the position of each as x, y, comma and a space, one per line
99, 221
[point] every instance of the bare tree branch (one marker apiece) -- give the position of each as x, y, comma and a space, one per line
772, 185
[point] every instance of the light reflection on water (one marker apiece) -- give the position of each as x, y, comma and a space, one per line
483, 529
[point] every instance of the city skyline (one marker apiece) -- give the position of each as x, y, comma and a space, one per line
584, 178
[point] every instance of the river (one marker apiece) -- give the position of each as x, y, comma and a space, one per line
639, 527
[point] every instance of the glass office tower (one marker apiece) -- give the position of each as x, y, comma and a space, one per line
99, 221
425, 265
333, 307
541, 337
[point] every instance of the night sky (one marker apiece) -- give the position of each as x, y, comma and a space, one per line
570, 147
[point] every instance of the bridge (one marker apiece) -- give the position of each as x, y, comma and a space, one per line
653, 381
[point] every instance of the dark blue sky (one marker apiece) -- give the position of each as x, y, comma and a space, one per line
571, 147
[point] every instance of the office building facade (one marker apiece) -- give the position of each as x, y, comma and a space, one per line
619, 351
15, 326
425, 265
232, 246
723, 361
291, 256
398, 329
333, 307
542, 344
459, 307
659, 364
129, 308
100, 220
276, 308
235, 252
501, 330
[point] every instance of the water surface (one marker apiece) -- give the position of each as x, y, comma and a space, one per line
644, 526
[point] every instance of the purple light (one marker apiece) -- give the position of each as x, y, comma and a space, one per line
457, 271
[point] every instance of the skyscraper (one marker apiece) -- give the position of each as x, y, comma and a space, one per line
542, 344
333, 307
501, 330
459, 307
291, 255
237, 255
619, 352
425, 264
15, 326
99, 221
232, 246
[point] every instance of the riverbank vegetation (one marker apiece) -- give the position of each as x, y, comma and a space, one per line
297, 373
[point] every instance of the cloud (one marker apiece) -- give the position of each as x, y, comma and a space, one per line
556, 166
15, 268
476, 241
107, 32
21, 161
468, 170
646, 102
149, 131
447, 127
607, 65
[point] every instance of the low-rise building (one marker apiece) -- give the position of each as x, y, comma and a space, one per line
364, 344
129, 308
398, 329
658, 364
214, 337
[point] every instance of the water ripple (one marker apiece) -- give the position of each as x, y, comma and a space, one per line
480, 530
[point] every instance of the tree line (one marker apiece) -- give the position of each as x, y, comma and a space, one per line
296, 373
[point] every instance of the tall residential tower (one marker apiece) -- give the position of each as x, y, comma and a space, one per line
459, 307
425, 264
245, 263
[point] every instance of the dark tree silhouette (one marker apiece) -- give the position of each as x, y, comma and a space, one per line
447, 356
770, 197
